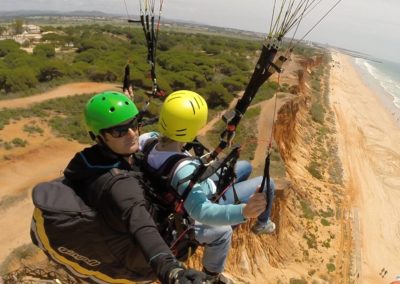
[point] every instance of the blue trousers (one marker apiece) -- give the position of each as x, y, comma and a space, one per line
217, 239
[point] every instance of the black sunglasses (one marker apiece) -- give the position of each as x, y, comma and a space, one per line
121, 130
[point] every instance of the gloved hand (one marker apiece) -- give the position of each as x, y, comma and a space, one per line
186, 276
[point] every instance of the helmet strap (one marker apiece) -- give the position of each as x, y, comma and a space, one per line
92, 135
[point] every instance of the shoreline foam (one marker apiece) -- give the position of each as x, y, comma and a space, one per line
374, 85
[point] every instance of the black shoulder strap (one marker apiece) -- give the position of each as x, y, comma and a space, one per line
148, 146
164, 174
167, 168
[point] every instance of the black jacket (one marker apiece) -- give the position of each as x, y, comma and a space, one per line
118, 195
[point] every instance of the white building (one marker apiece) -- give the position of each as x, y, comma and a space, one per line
31, 29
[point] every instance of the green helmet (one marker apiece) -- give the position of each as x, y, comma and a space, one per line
108, 109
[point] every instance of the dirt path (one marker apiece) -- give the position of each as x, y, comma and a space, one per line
368, 146
62, 91
264, 128
215, 119
264, 124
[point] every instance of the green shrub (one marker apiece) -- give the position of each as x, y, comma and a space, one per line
327, 243
317, 112
325, 222
308, 213
18, 142
51, 70
8, 146
312, 272
216, 95
331, 267
297, 281
20, 79
311, 240
17, 254
313, 169
7, 46
328, 213
44, 50
32, 129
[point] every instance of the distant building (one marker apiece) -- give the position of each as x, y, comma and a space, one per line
31, 29
30, 35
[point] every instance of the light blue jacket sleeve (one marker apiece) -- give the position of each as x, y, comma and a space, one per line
198, 205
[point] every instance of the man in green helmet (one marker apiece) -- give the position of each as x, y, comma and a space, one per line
106, 177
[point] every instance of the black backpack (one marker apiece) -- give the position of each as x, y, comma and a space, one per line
74, 235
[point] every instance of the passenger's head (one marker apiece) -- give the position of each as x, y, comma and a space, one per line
112, 118
182, 115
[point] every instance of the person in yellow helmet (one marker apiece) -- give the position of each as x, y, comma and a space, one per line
182, 115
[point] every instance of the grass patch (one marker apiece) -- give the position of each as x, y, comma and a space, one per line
297, 281
246, 134
327, 243
317, 112
328, 213
325, 222
33, 129
308, 213
19, 253
7, 145
18, 142
266, 92
335, 170
10, 200
278, 168
311, 240
66, 117
314, 169
312, 272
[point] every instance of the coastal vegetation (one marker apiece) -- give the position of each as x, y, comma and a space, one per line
99, 53
207, 63
217, 66
324, 162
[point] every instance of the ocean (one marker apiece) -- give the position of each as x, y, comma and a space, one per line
384, 74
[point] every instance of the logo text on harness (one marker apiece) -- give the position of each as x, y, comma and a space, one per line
91, 262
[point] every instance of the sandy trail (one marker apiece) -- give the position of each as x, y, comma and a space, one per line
369, 148
62, 91
264, 128
215, 119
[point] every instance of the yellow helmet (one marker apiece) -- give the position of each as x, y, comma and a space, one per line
182, 115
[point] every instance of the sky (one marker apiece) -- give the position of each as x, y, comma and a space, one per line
368, 26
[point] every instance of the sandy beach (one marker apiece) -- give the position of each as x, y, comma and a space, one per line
368, 137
